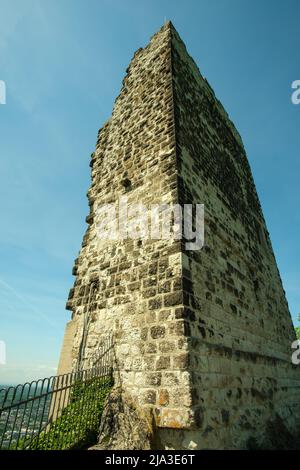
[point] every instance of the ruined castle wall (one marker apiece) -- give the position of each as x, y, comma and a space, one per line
202, 338
240, 329
133, 287
65, 365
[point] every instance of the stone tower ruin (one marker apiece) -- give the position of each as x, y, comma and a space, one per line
202, 338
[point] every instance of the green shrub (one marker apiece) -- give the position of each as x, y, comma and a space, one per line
77, 427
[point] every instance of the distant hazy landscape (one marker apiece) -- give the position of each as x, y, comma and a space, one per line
24, 420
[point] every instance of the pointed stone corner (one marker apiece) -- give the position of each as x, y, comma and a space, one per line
169, 24
203, 338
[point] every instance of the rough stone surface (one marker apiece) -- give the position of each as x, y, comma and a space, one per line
203, 338
123, 425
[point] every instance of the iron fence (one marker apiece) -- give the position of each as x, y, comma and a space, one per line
58, 412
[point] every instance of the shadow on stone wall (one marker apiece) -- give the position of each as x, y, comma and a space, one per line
277, 437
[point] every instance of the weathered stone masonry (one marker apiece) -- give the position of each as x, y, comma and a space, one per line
202, 337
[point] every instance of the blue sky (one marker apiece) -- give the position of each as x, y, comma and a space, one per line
63, 62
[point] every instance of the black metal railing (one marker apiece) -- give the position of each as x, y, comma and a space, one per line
58, 412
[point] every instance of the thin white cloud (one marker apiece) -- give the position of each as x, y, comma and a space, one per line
38, 314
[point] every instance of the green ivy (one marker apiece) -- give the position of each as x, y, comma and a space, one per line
78, 425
